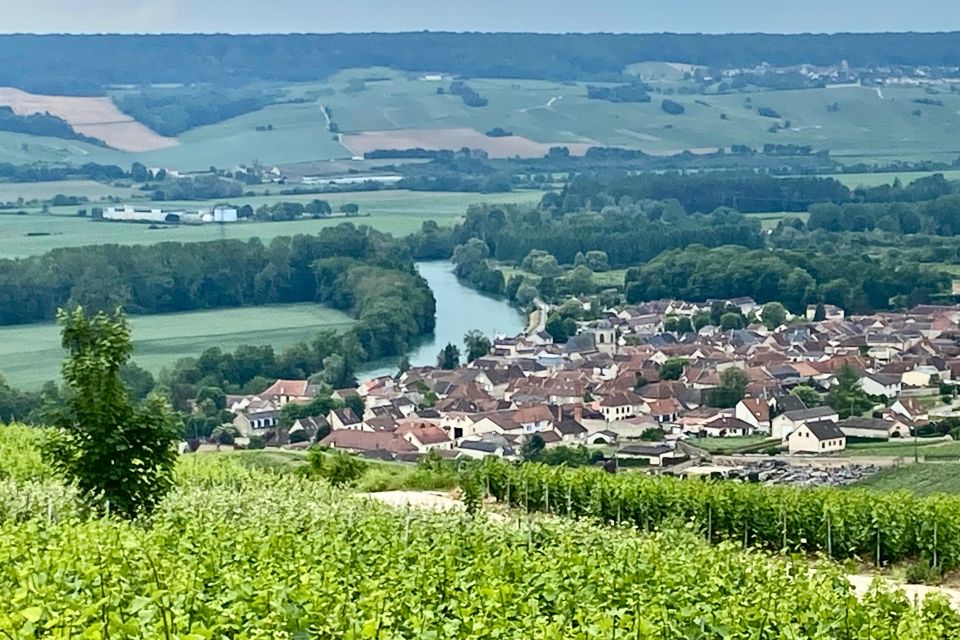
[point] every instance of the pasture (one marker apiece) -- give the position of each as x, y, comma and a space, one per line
94, 191
854, 180
396, 212
31, 354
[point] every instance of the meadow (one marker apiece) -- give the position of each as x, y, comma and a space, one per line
396, 212
905, 449
31, 355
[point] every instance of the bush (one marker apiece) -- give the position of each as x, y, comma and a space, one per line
672, 107
257, 442
337, 468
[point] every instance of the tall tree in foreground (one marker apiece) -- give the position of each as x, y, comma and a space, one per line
117, 452
476, 344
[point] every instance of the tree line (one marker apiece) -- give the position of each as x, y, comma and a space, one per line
172, 277
851, 280
83, 65
42, 124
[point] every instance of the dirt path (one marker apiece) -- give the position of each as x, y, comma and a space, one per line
916, 592
420, 499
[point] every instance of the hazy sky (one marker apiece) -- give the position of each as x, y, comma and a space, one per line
259, 16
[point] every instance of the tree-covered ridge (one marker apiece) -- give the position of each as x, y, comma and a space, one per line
84, 64
171, 112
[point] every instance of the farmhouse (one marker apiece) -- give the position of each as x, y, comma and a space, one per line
755, 412
817, 437
784, 424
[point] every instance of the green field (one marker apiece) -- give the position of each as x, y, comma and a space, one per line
854, 180
30, 355
94, 191
723, 446
396, 212
871, 125
904, 449
922, 479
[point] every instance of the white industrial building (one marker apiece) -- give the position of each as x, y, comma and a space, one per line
129, 213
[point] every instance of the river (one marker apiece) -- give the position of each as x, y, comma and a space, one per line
459, 309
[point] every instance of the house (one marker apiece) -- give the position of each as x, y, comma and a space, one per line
367, 442
619, 406
664, 410
256, 423
344, 418
284, 391
602, 438
817, 437
654, 454
306, 429
570, 431
498, 447
425, 437
784, 424
755, 412
912, 409
873, 428
922, 376
881, 384
724, 426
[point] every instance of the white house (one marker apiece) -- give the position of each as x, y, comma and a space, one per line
621, 406
344, 419
725, 427
816, 437
755, 412
784, 424
922, 376
880, 384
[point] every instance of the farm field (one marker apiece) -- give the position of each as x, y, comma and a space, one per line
30, 354
97, 117
396, 212
728, 445
922, 479
95, 191
404, 109
854, 180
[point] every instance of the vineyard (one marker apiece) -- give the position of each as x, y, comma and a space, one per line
236, 552
880, 527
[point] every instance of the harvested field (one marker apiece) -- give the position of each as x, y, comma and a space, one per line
453, 139
94, 117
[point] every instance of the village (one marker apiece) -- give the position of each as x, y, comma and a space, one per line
643, 396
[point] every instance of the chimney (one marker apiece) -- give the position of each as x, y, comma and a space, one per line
578, 413
559, 413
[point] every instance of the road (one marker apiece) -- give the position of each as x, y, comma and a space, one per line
538, 317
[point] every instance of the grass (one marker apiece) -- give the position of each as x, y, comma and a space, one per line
904, 449
396, 212
31, 354
94, 191
922, 479
731, 445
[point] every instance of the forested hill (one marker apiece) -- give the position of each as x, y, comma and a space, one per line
80, 64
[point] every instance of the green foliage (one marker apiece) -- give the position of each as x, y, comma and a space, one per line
119, 454
41, 124
841, 523
449, 357
672, 368
337, 468
653, 434
730, 321
774, 314
533, 447
579, 456
846, 395
809, 395
170, 112
732, 389
470, 262
476, 345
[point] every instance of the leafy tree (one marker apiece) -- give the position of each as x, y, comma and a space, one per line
672, 369
847, 396
337, 468
580, 280
224, 434
476, 344
671, 324
820, 314
684, 325
138, 381
732, 389
653, 434
403, 365
731, 320
774, 315
526, 294
449, 357
356, 403
533, 448
117, 452
808, 395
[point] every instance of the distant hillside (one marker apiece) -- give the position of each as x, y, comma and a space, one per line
83, 64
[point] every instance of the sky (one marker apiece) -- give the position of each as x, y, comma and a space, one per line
325, 16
